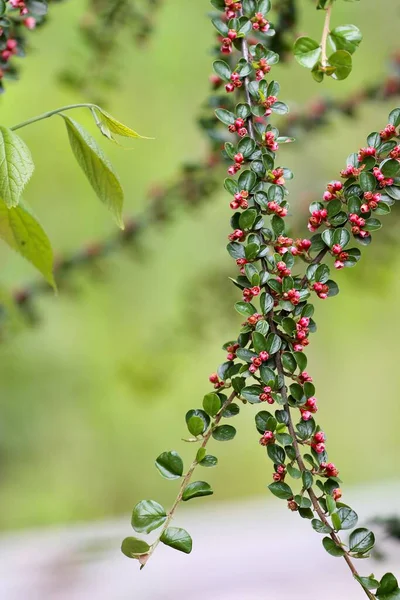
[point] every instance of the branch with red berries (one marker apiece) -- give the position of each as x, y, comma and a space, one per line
278, 276
17, 16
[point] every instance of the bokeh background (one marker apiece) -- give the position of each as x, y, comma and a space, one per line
99, 387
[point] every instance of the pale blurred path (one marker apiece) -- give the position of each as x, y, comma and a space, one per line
241, 552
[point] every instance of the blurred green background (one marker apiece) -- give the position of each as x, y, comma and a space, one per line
100, 387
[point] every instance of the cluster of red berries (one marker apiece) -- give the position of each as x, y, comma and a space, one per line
357, 225
283, 270
317, 218
332, 190
283, 244
239, 159
381, 179
280, 473
10, 49
321, 289
226, 47
250, 293
257, 361
231, 8
29, 22
269, 141
236, 82
267, 438
388, 132
366, 152
292, 296
341, 257
274, 207
395, 153
351, 171
304, 377
371, 202
318, 442
266, 395
238, 127
260, 23
300, 247
262, 68
309, 408
302, 333
240, 200
268, 104
253, 319
329, 469
276, 176
232, 351
216, 381
236, 235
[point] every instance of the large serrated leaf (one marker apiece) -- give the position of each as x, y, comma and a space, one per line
16, 166
97, 168
22, 232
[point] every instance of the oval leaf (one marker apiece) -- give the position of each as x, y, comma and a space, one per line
178, 539
196, 490
16, 166
22, 232
170, 465
147, 516
133, 547
97, 168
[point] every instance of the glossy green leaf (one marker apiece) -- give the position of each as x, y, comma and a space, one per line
196, 490
147, 516
97, 168
133, 547
224, 433
211, 404
23, 233
170, 465
361, 541
345, 37
332, 548
348, 517
281, 490
342, 62
209, 461
307, 52
16, 166
176, 538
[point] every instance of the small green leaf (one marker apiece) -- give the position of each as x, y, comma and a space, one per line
345, 37
224, 433
320, 527
361, 541
176, 538
307, 52
147, 516
109, 125
348, 517
342, 62
209, 461
23, 233
281, 490
195, 425
96, 167
133, 547
212, 404
388, 588
196, 490
170, 465
332, 548
16, 166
